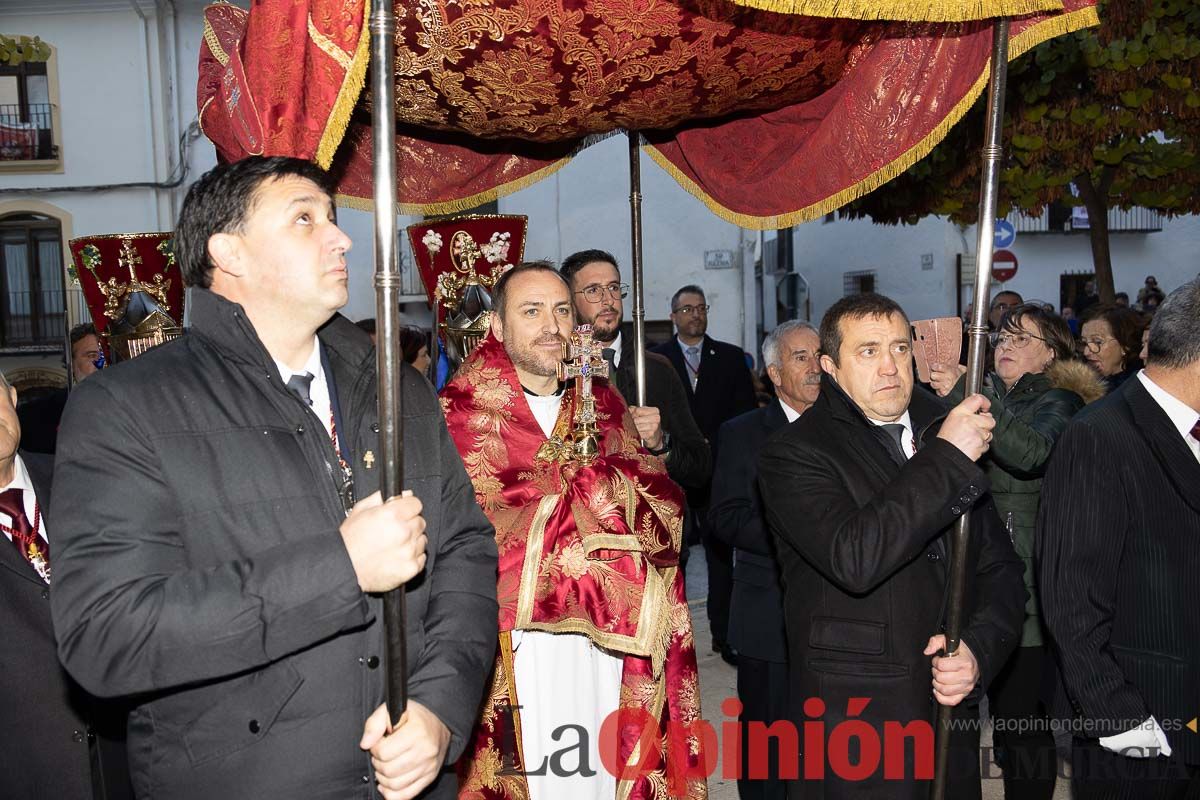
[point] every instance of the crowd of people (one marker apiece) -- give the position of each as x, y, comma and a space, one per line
219, 544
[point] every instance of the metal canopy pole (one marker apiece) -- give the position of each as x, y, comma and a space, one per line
977, 331
387, 310
635, 229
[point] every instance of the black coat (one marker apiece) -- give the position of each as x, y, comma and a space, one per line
736, 517
199, 565
39, 421
860, 534
59, 744
1118, 543
689, 463
723, 389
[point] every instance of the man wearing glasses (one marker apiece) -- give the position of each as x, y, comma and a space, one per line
665, 424
719, 388
1001, 303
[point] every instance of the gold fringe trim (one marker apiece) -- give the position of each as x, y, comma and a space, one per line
905, 10
352, 86
458, 206
1018, 46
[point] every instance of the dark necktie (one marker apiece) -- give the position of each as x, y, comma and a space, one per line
32, 547
299, 384
1196, 431
610, 355
896, 431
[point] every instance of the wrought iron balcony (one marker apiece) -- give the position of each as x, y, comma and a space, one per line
1062, 219
33, 320
26, 132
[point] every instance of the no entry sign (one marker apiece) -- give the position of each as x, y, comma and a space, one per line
1004, 265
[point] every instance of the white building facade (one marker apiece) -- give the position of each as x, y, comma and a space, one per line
920, 265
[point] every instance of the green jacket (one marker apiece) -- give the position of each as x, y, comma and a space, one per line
1029, 419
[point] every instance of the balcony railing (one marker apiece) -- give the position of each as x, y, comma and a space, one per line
26, 132
33, 320
1060, 219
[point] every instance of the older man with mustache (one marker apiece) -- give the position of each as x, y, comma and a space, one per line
736, 516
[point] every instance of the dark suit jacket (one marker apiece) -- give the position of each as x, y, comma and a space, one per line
736, 518
39, 421
689, 463
1118, 541
51, 749
724, 388
865, 582
199, 566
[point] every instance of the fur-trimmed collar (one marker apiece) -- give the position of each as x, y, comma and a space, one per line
1077, 377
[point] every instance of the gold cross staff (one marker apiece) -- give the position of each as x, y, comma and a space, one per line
584, 360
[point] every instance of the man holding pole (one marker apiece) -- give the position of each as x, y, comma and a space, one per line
594, 625
211, 559
860, 493
665, 424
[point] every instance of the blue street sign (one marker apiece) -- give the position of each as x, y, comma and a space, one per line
1005, 234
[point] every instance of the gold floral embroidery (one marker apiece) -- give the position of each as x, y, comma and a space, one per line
491, 69
572, 561
508, 78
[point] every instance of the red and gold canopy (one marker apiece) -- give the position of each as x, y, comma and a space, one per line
770, 118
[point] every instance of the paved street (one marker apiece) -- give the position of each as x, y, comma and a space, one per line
718, 681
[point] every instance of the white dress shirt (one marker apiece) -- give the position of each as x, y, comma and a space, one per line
906, 438
789, 412
1183, 416
318, 390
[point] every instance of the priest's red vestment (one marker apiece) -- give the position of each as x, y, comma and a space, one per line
584, 549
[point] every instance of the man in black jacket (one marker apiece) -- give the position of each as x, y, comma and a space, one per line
1118, 543
718, 388
213, 562
860, 493
756, 627
41, 416
60, 743
665, 423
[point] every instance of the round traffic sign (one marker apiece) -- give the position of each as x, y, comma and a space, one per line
1004, 234
1004, 265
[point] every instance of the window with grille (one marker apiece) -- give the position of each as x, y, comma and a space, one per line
33, 312
860, 282
26, 113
